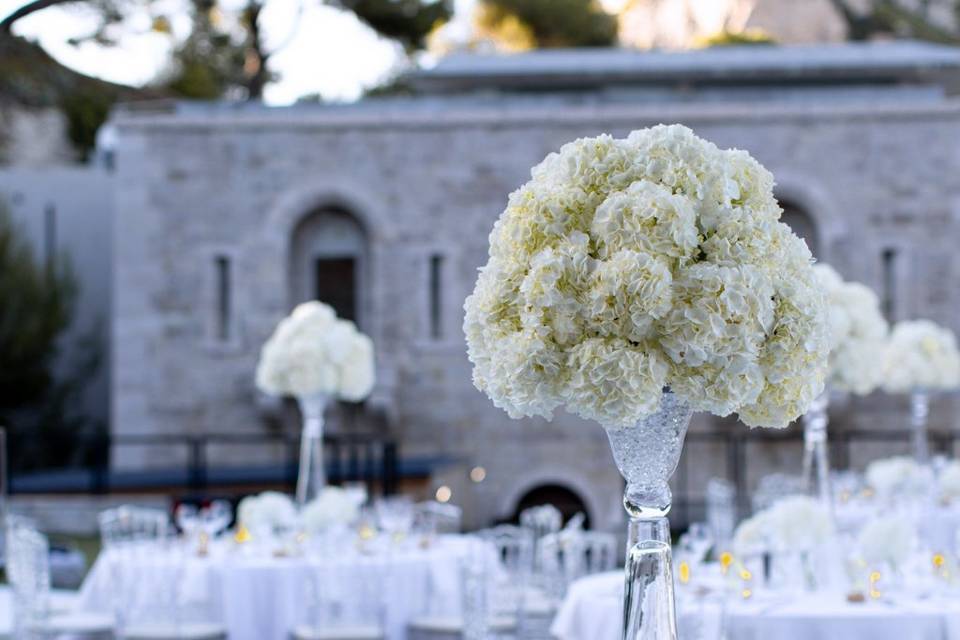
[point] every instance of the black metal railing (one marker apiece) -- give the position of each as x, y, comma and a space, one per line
689, 502
184, 462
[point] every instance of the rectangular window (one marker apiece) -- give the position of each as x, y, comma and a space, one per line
889, 258
436, 301
223, 303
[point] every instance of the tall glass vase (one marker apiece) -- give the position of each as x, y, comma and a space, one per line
919, 412
816, 461
311, 477
647, 455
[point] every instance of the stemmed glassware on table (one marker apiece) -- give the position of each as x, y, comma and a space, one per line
395, 517
201, 525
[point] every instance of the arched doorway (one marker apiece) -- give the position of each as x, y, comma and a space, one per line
802, 224
328, 262
567, 501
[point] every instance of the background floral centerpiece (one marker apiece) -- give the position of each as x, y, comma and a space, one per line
315, 357
858, 333
921, 358
637, 280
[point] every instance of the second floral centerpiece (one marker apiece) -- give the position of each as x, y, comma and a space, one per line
632, 282
315, 357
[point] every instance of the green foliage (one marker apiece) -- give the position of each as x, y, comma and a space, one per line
209, 62
731, 38
407, 21
551, 23
85, 111
36, 305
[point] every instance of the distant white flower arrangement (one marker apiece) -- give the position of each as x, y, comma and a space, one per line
794, 523
268, 510
313, 352
334, 506
625, 266
949, 481
921, 356
858, 333
897, 475
886, 540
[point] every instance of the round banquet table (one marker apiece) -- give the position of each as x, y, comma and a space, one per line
591, 611
260, 597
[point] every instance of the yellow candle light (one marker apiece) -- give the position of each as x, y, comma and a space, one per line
726, 559
746, 593
242, 535
938, 560
874, 579
684, 572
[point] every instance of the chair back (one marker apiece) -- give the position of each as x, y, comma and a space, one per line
344, 596
773, 487
721, 510
28, 571
437, 518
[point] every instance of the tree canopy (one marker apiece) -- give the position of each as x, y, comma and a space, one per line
528, 24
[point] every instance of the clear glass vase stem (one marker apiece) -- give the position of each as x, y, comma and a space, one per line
311, 477
919, 412
649, 606
816, 460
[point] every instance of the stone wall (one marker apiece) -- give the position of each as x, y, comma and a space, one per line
872, 177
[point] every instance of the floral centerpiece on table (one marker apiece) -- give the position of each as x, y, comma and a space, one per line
897, 476
949, 481
858, 333
315, 357
921, 359
921, 355
794, 523
269, 511
886, 542
312, 352
333, 507
633, 281
626, 266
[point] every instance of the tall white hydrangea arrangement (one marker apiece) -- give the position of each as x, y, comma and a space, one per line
792, 523
625, 266
314, 352
858, 333
921, 356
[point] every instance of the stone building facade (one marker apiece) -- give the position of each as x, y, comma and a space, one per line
225, 218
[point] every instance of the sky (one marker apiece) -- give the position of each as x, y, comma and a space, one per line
311, 35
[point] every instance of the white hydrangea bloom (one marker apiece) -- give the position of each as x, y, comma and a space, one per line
313, 352
858, 333
334, 506
897, 475
268, 510
625, 266
921, 355
887, 540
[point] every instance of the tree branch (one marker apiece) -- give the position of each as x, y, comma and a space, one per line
31, 7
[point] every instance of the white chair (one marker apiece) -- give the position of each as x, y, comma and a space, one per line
170, 631
135, 535
343, 604
482, 615
433, 517
28, 570
721, 511
572, 554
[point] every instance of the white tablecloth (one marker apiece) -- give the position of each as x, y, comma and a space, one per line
59, 601
591, 611
264, 598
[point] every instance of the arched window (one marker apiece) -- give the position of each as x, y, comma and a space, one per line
328, 261
802, 225
564, 499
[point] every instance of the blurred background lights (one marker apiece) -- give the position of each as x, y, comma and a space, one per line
444, 494
478, 474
